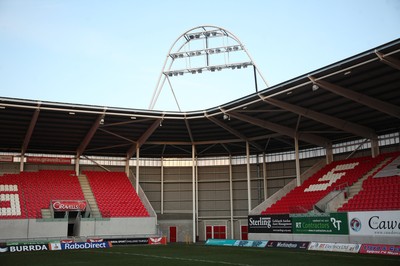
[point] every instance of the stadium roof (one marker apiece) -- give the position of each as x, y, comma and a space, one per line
356, 98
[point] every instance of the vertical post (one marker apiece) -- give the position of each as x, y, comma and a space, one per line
255, 77
265, 177
162, 185
296, 145
194, 192
21, 163
137, 168
197, 197
127, 166
374, 147
248, 176
77, 161
231, 194
329, 154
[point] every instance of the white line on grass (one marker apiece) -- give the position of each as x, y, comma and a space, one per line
175, 258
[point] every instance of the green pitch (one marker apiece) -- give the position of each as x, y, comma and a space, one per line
193, 255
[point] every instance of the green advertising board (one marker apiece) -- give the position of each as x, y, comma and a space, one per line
332, 224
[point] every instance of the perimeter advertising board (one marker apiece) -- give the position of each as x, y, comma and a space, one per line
382, 223
270, 224
332, 224
380, 249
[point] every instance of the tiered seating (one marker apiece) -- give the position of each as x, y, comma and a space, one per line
377, 194
303, 198
33, 191
115, 195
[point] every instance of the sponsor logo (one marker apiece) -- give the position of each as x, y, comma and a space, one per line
28, 248
94, 240
48, 160
375, 222
288, 244
69, 205
55, 246
270, 224
2, 250
355, 224
393, 250
261, 221
157, 241
85, 245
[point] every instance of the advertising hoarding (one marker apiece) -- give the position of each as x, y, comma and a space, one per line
332, 223
378, 223
270, 224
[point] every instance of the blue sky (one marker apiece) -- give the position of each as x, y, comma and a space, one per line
110, 53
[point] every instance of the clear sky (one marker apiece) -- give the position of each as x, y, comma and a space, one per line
111, 53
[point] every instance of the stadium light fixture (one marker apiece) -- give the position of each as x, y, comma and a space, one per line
182, 52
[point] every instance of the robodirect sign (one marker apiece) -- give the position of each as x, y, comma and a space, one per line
85, 245
333, 223
270, 224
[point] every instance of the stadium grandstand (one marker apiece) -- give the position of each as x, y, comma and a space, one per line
321, 143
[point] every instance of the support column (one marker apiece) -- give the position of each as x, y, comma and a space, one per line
374, 147
137, 168
248, 176
231, 194
77, 161
296, 145
264, 164
21, 163
194, 191
197, 197
162, 186
329, 154
127, 166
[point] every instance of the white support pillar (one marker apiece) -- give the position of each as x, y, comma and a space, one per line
77, 161
197, 198
329, 154
194, 191
248, 176
137, 168
162, 186
127, 166
264, 164
231, 194
375, 147
21, 163
296, 145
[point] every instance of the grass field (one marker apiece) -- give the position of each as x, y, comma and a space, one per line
193, 255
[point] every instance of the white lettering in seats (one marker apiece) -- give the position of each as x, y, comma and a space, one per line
14, 208
331, 177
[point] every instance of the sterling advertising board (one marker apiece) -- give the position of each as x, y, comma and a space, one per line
383, 223
270, 224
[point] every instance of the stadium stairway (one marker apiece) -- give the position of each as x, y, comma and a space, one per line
89, 197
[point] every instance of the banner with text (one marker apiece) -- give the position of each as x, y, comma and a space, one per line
288, 244
381, 249
332, 223
381, 223
48, 160
6, 158
68, 205
335, 247
270, 224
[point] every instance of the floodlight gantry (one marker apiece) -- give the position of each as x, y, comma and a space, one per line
181, 50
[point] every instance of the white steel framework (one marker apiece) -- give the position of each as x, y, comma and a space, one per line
185, 49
